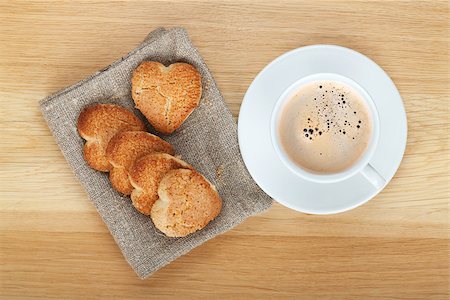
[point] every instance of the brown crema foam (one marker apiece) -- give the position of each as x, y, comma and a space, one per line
325, 127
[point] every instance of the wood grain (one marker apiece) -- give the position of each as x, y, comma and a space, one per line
53, 244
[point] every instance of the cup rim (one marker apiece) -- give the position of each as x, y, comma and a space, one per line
333, 177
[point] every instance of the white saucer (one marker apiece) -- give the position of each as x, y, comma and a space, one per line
254, 129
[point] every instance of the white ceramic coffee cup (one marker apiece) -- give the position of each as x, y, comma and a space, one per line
361, 166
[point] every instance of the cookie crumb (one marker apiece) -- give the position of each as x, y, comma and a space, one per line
219, 171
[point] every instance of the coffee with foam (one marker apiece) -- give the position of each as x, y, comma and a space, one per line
325, 127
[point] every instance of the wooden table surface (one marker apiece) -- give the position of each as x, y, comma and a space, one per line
54, 244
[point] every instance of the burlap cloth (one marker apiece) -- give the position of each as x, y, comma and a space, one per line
207, 140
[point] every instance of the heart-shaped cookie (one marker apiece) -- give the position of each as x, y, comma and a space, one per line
97, 124
187, 203
166, 95
124, 149
145, 176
